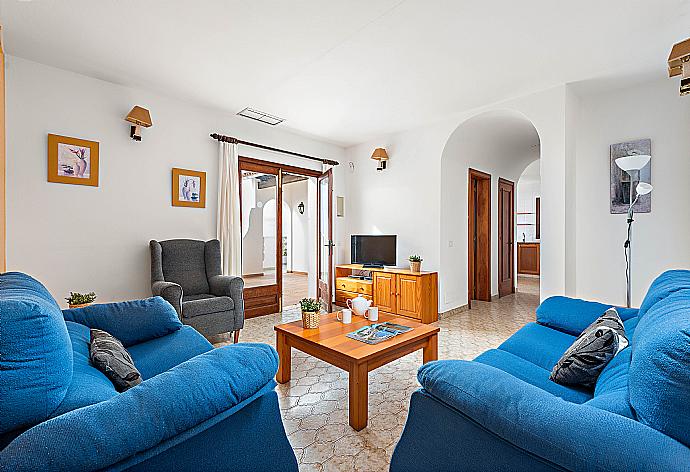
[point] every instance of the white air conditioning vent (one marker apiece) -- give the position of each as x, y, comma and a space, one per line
260, 116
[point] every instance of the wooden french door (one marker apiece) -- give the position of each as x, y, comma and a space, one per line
324, 289
479, 237
506, 239
261, 216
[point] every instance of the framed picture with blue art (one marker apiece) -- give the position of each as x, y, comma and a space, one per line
72, 160
188, 188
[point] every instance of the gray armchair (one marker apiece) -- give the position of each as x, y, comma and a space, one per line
187, 273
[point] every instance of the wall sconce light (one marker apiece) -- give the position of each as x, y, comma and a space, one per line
381, 156
679, 64
300, 208
140, 117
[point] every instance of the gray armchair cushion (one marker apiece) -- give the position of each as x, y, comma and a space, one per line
184, 262
171, 293
206, 306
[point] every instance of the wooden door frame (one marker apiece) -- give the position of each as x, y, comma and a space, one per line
511, 184
263, 292
329, 176
472, 176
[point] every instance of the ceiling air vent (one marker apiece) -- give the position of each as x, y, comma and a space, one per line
261, 116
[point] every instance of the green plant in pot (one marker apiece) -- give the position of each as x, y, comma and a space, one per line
78, 300
415, 263
310, 312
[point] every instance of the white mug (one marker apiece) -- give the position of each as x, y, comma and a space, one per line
345, 316
372, 313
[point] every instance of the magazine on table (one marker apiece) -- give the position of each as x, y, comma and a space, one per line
379, 332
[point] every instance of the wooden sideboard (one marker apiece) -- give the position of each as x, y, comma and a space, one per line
528, 258
398, 292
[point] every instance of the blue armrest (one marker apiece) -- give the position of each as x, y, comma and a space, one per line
181, 400
131, 322
572, 315
574, 436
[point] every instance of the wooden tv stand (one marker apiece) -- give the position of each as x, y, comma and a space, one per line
397, 292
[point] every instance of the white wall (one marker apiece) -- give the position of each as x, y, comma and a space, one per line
527, 190
299, 253
96, 238
661, 239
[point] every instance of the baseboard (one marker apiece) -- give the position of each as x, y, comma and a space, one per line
298, 272
454, 311
260, 274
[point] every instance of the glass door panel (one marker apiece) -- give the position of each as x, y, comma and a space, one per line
260, 264
325, 239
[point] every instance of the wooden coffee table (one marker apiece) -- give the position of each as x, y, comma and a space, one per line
329, 343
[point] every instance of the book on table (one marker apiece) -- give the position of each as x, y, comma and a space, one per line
379, 332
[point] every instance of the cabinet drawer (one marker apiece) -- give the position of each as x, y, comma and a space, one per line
342, 296
347, 284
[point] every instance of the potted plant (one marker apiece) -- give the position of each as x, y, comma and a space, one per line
310, 312
415, 263
79, 300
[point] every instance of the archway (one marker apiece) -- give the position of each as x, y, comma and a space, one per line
501, 143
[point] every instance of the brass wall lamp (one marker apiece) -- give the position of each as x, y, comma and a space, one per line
380, 155
139, 116
679, 64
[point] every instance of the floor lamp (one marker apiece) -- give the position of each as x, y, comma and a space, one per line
632, 165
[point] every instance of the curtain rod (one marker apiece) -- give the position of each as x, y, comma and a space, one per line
230, 139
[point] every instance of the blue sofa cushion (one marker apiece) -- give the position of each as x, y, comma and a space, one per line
667, 283
131, 322
161, 354
611, 391
89, 385
659, 369
35, 352
538, 344
530, 373
572, 315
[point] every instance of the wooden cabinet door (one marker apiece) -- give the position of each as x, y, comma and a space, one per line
528, 258
409, 296
384, 291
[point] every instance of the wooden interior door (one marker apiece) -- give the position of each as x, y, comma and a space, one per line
506, 231
324, 289
479, 237
409, 296
385, 290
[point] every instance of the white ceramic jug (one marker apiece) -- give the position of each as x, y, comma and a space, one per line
359, 305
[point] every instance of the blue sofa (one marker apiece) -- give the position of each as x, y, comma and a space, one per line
197, 408
501, 412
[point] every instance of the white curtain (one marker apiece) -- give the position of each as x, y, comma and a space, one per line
229, 228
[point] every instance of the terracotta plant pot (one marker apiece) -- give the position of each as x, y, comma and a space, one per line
310, 319
81, 305
416, 266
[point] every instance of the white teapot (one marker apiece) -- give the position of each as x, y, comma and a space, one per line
359, 305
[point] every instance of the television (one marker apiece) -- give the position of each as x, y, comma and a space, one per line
374, 250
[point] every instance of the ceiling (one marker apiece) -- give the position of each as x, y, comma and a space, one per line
352, 70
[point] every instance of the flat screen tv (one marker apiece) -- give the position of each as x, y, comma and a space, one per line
373, 251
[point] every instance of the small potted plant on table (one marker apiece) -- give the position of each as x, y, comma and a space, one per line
310, 312
79, 300
415, 263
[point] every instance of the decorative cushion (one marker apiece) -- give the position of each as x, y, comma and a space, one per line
184, 262
582, 363
206, 306
35, 352
660, 366
110, 357
131, 322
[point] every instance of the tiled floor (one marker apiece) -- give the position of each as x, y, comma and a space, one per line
314, 402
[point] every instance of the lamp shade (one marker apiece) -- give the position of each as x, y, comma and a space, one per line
139, 116
643, 188
634, 162
380, 154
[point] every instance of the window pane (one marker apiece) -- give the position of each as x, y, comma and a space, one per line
259, 216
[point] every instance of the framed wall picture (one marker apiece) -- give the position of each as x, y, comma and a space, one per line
188, 188
72, 160
621, 181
